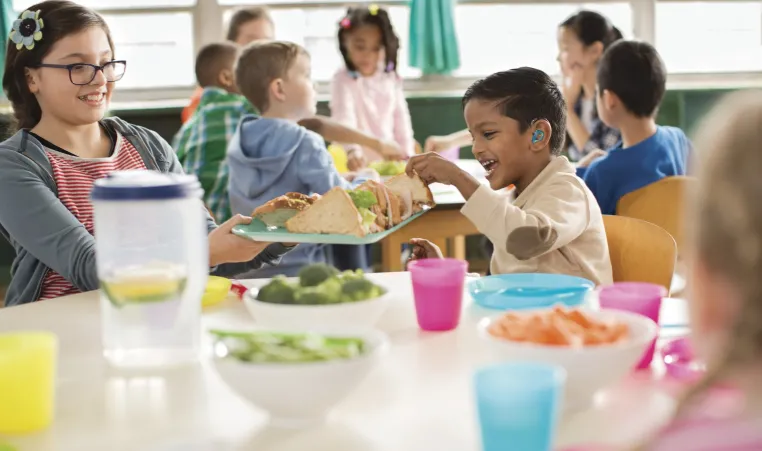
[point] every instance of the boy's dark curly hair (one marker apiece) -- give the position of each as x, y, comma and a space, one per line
370, 15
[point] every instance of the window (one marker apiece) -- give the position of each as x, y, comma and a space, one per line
160, 58
315, 29
704, 36
159, 41
499, 37
20, 5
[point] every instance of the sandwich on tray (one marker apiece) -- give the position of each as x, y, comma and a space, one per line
370, 208
279, 210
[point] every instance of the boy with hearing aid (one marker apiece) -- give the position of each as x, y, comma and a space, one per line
553, 224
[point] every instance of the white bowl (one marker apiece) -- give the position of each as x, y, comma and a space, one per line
357, 314
589, 368
301, 394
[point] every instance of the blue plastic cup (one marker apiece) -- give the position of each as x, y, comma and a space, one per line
518, 405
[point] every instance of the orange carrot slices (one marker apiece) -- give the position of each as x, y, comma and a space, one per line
558, 327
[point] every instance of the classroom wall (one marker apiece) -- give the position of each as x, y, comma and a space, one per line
430, 116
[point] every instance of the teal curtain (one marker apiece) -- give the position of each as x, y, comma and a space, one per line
7, 16
433, 43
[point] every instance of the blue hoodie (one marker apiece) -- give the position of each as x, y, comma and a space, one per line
271, 157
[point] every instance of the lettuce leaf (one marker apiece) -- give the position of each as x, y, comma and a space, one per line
362, 198
368, 217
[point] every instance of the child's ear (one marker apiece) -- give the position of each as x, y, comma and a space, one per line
539, 134
31, 80
276, 90
610, 100
596, 50
227, 78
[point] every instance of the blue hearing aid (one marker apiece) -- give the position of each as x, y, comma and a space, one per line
538, 136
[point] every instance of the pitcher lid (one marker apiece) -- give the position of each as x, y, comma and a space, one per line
145, 185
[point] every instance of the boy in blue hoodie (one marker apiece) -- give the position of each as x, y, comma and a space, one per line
271, 154
631, 84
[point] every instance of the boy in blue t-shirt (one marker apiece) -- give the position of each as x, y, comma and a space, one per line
631, 84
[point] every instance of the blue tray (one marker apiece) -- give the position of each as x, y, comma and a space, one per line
529, 291
258, 231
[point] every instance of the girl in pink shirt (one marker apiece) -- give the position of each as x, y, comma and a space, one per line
367, 94
726, 287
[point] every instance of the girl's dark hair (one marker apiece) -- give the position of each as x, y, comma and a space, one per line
61, 18
244, 16
591, 27
359, 16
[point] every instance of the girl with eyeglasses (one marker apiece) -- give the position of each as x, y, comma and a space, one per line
60, 71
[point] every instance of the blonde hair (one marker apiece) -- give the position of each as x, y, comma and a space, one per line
726, 223
262, 62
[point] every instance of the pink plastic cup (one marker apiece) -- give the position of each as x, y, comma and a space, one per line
637, 297
438, 292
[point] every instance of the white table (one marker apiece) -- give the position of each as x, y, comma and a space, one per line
418, 399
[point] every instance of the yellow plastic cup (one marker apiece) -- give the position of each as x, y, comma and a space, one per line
339, 156
27, 381
217, 289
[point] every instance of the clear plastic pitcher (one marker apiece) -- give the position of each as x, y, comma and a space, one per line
153, 263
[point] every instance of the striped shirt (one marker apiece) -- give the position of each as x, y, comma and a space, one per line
74, 177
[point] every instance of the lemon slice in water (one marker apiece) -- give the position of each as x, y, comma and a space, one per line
144, 285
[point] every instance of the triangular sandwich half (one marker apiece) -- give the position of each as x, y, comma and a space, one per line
334, 213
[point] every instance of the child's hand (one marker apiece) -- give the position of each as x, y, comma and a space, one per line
356, 160
589, 158
423, 249
349, 176
437, 144
571, 88
224, 247
432, 167
390, 150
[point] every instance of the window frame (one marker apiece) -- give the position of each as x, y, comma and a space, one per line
208, 27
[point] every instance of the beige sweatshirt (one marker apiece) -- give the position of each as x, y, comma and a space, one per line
554, 226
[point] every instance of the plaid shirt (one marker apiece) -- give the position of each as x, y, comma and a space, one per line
201, 145
601, 136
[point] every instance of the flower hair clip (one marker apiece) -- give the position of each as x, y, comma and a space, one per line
373, 9
27, 30
345, 23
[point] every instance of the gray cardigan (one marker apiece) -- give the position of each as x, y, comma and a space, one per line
46, 235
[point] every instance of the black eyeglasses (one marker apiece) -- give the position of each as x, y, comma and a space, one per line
82, 74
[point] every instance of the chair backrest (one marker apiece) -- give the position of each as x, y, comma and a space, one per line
640, 251
661, 203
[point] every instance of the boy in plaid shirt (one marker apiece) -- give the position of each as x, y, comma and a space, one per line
202, 141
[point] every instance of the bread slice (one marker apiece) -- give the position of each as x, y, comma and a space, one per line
420, 192
333, 213
276, 212
414, 194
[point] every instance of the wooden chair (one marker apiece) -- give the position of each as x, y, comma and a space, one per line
640, 251
661, 203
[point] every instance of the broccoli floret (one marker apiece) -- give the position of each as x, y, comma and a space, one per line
360, 290
278, 291
328, 292
348, 275
313, 296
314, 275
